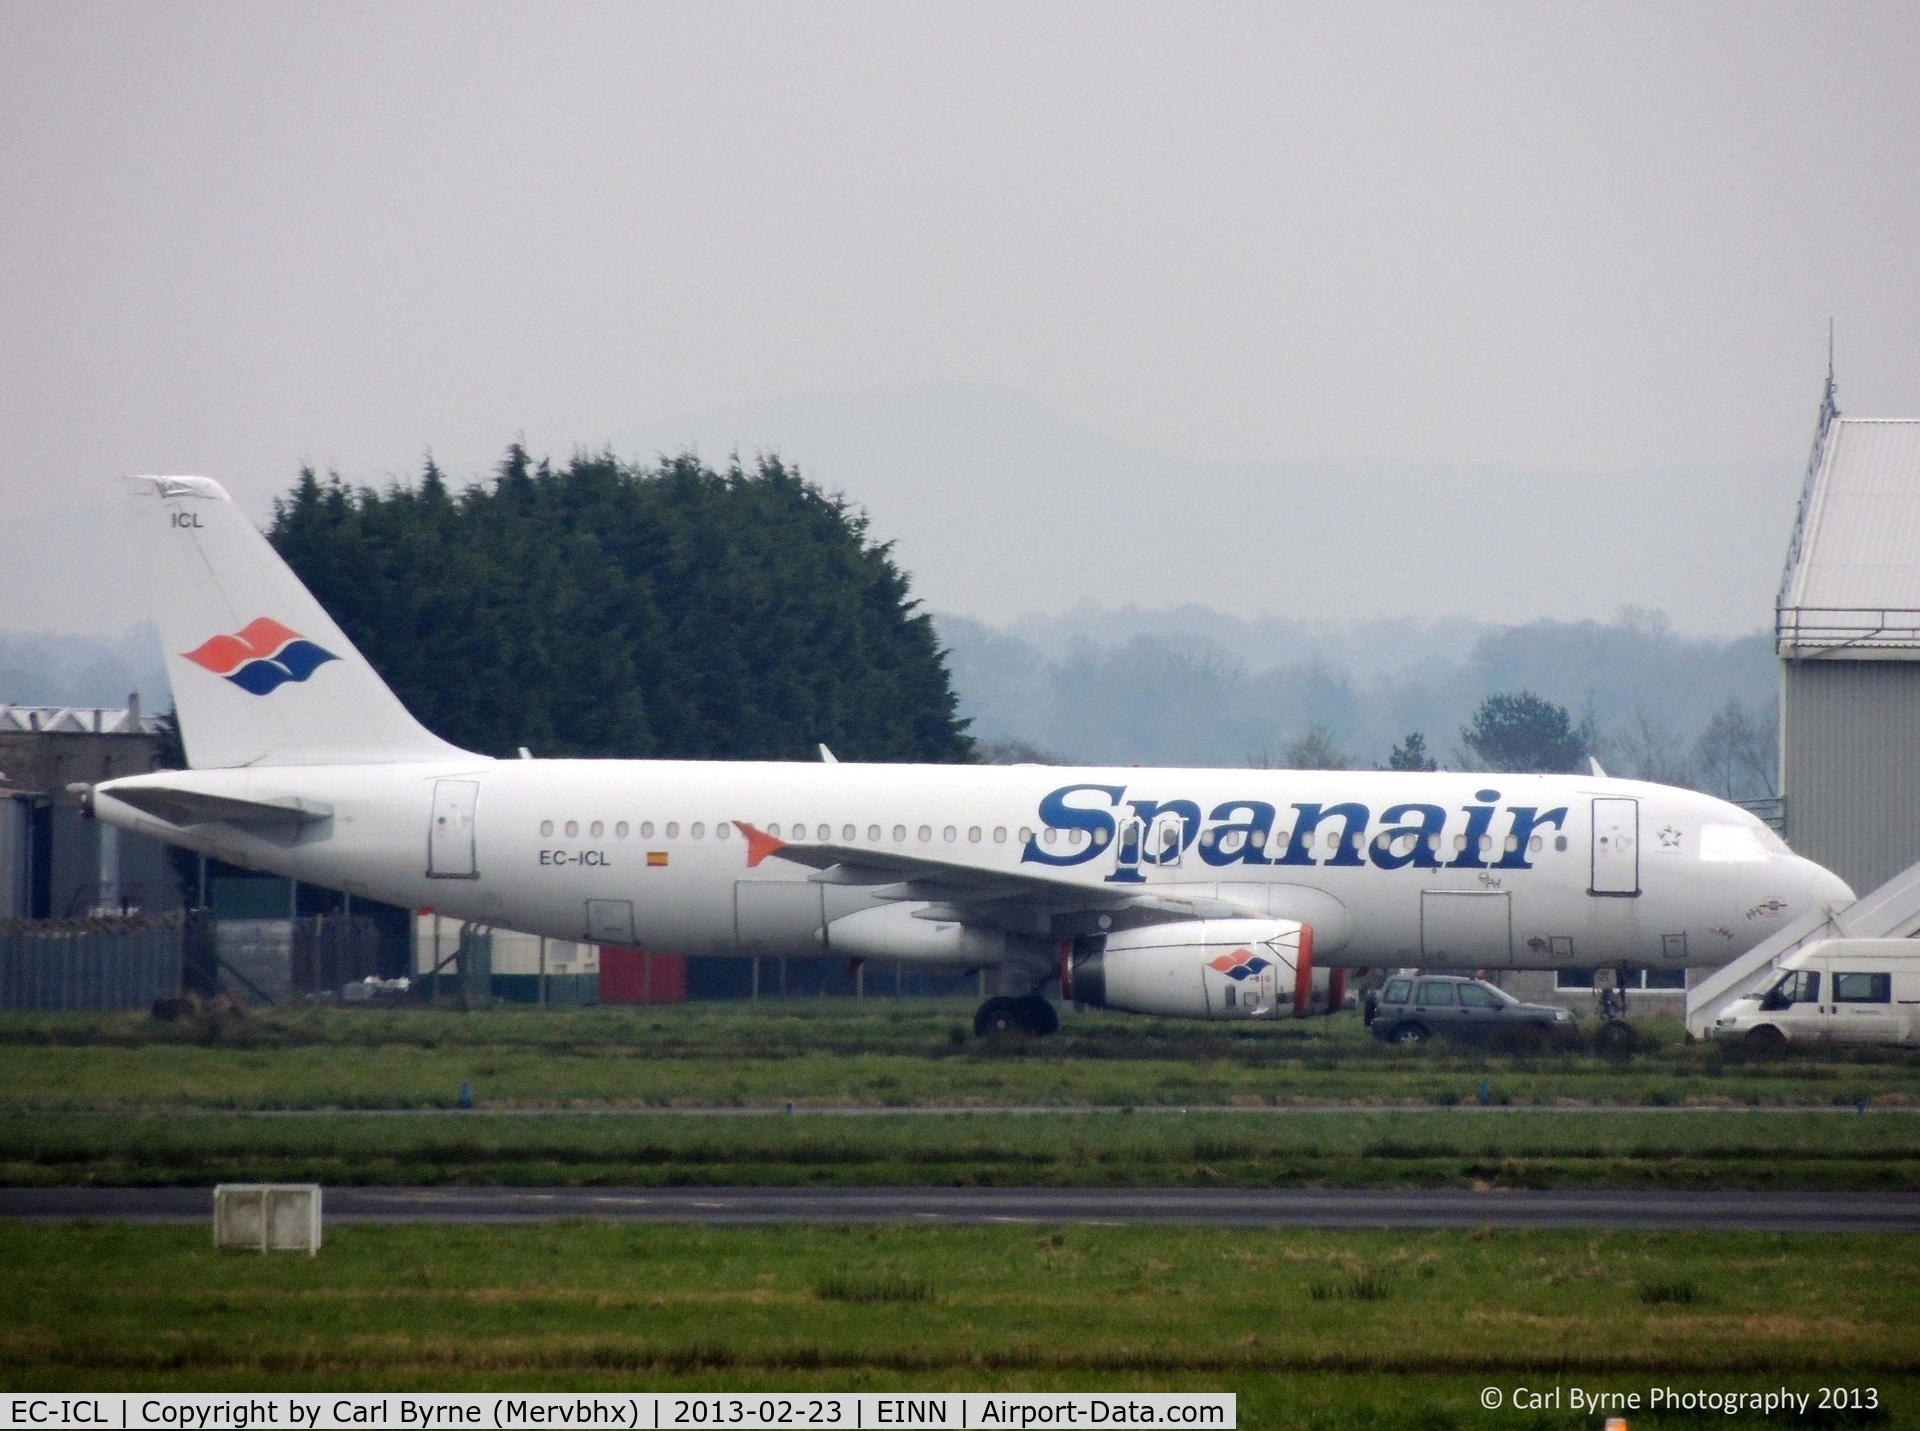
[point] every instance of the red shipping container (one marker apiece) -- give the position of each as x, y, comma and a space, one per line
633, 976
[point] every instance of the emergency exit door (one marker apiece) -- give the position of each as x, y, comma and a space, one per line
450, 830
1616, 847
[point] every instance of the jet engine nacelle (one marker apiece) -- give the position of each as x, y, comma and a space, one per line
1201, 969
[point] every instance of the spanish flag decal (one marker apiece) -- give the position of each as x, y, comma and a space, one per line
656, 859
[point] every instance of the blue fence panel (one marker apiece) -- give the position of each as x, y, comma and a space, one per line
89, 964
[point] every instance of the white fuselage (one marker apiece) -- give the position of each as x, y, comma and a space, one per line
1442, 870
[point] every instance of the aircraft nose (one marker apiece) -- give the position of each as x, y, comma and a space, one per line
1824, 887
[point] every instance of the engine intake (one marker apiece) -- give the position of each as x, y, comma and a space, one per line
1199, 969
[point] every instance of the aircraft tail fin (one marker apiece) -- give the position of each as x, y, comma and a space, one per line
261, 674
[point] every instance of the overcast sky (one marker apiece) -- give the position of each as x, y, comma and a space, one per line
1274, 251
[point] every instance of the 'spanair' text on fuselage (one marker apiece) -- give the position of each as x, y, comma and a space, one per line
1148, 831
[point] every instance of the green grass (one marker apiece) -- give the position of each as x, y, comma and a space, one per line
1336, 1330
822, 1053
1323, 1329
123, 1098
1388, 1148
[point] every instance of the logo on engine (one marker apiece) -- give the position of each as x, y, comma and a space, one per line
263, 657
1241, 964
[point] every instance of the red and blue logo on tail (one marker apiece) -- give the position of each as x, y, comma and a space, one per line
263, 657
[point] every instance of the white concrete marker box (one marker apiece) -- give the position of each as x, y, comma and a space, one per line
267, 1217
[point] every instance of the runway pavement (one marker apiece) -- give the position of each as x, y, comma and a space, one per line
1203, 1207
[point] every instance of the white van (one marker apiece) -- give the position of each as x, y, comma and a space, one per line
1841, 990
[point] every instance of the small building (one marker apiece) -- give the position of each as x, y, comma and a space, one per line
476, 964
1848, 633
55, 863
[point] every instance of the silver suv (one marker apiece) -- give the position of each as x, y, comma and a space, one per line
1413, 1009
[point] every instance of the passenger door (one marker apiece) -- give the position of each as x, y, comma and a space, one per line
1616, 847
1906, 1004
1480, 1011
1797, 1007
452, 851
1166, 837
1434, 1006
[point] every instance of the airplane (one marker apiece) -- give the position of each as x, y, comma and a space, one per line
1203, 893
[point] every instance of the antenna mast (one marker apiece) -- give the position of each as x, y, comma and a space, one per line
1829, 410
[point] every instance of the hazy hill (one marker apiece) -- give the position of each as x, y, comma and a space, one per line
1189, 685
1193, 686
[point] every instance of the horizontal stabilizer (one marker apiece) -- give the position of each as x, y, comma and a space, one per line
191, 807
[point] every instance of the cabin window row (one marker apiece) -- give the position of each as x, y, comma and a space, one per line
1402, 843
722, 829
597, 829
1231, 840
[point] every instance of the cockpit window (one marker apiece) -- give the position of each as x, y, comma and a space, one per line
1731, 845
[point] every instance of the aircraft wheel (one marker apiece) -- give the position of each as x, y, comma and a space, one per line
1614, 1036
997, 1015
1411, 1034
1038, 1016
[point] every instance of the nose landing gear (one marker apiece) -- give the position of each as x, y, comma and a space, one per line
1615, 1035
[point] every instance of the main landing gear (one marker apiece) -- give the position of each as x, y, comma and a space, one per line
1029, 1015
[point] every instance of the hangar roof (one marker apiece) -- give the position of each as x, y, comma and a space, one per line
1852, 584
77, 720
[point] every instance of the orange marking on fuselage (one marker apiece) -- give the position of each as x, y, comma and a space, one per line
759, 843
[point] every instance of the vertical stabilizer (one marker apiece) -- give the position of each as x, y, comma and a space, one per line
261, 674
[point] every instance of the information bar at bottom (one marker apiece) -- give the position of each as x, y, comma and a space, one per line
511, 1411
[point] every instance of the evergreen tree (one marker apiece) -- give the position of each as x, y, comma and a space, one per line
609, 609
1519, 732
1411, 754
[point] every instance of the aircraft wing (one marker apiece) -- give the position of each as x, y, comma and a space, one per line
1021, 900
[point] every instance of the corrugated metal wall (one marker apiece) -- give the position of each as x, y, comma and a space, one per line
122, 964
16, 855
1850, 765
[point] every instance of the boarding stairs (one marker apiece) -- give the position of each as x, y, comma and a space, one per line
1890, 912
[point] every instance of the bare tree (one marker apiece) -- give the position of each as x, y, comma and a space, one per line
1736, 754
1647, 749
1316, 751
